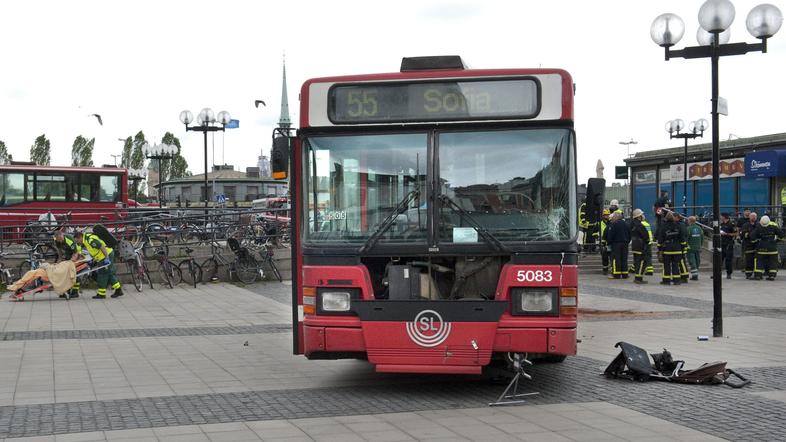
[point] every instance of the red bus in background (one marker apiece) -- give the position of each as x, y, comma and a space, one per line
434, 217
85, 195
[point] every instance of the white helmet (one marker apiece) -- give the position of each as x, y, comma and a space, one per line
765, 220
637, 213
614, 203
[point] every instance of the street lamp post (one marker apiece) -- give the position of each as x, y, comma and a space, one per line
715, 17
135, 176
160, 152
627, 181
695, 130
206, 122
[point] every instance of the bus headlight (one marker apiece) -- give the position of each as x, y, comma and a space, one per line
335, 301
535, 301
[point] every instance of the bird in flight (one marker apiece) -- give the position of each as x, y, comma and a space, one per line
98, 117
256, 103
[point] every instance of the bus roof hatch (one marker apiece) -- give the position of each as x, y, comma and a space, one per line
432, 63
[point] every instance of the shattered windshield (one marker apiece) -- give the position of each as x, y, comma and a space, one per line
517, 184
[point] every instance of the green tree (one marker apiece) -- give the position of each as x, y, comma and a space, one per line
178, 166
137, 160
5, 157
125, 159
40, 151
82, 151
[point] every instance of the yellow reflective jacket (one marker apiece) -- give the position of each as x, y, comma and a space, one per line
93, 246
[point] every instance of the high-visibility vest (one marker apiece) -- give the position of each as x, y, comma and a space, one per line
95, 250
649, 229
583, 216
783, 196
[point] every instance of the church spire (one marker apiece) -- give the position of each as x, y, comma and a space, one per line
283, 120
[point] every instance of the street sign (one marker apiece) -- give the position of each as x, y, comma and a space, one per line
233, 124
723, 106
621, 172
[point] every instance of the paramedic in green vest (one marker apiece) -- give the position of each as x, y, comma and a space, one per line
695, 240
648, 269
102, 255
68, 248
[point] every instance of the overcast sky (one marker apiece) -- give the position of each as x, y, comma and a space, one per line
139, 63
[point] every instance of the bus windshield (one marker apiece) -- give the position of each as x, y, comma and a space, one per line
518, 185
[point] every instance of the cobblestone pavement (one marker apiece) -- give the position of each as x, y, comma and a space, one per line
214, 363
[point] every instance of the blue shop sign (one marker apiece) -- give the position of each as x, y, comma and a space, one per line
766, 163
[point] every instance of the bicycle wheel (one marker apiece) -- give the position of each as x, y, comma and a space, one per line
24, 267
170, 274
133, 271
48, 252
275, 268
191, 271
210, 270
247, 270
145, 275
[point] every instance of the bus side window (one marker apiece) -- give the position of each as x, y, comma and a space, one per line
13, 188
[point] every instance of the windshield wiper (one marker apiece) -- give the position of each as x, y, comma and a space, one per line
485, 234
388, 222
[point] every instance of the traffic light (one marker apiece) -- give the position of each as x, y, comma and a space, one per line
594, 200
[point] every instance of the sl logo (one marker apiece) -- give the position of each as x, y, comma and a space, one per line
428, 329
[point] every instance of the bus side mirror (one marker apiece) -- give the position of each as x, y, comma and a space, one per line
279, 158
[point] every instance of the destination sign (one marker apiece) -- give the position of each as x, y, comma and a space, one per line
456, 100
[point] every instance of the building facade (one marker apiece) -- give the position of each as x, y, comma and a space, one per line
234, 185
752, 175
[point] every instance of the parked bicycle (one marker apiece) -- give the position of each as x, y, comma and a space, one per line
191, 271
41, 230
246, 266
267, 258
170, 273
135, 264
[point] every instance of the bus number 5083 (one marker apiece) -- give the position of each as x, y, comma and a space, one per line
534, 276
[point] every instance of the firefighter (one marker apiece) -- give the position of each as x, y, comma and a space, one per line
102, 255
648, 268
618, 236
584, 225
749, 244
604, 253
695, 241
68, 248
684, 273
614, 207
639, 241
728, 231
670, 239
767, 233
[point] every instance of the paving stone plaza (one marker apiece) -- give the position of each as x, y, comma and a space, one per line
214, 363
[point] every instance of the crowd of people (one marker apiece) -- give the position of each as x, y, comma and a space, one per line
677, 240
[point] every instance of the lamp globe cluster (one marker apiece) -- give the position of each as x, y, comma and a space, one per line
715, 19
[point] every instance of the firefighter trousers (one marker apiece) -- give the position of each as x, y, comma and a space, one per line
604, 257
750, 262
683, 264
648, 268
728, 258
671, 266
619, 260
639, 265
766, 264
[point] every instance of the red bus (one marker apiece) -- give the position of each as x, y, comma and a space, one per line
434, 217
89, 194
